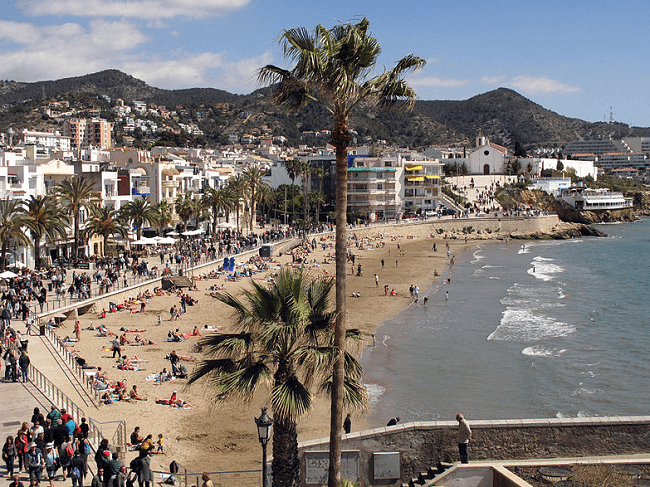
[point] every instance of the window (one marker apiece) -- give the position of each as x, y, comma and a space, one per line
486, 153
380, 186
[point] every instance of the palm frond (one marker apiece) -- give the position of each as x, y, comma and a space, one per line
290, 399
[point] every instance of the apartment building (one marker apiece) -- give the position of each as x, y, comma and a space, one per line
88, 132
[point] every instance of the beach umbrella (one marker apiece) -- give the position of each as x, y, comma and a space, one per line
144, 241
166, 240
8, 275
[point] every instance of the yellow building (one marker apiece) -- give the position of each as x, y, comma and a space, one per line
88, 132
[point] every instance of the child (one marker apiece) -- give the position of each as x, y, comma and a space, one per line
160, 448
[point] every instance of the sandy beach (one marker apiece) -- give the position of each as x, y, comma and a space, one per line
222, 436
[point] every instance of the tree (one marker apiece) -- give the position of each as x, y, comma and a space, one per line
237, 185
188, 207
284, 339
293, 168
74, 195
253, 179
44, 219
12, 221
104, 222
318, 198
333, 67
140, 212
164, 214
217, 200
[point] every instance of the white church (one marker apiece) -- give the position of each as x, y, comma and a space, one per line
486, 158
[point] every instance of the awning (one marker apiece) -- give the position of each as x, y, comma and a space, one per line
170, 171
415, 178
432, 177
413, 168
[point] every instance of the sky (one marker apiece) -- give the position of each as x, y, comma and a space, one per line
578, 58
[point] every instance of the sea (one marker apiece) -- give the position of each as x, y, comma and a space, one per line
527, 330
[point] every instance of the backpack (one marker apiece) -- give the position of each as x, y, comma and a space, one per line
86, 448
69, 451
75, 473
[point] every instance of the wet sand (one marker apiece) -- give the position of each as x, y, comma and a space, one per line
222, 436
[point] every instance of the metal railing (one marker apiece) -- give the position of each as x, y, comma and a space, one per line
187, 478
70, 360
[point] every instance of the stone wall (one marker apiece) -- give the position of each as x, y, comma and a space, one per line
422, 445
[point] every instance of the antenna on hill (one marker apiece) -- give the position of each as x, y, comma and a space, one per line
611, 115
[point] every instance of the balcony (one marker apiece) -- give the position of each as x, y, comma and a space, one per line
141, 191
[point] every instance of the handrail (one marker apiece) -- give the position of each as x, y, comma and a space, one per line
77, 370
191, 479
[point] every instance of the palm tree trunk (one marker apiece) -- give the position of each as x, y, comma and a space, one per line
76, 237
37, 252
285, 465
3, 262
340, 139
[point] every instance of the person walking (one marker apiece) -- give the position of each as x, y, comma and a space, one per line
464, 437
117, 347
8, 454
347, 424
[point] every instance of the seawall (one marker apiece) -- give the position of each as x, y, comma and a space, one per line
423, 444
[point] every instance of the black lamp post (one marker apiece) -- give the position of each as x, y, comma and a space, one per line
264, 425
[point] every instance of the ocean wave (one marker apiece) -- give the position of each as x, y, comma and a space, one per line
545, 271
375, 391
488, 266
477, 257
542, 351
585, 391
519, 324
539, 258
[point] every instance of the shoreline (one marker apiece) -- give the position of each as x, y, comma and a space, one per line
222, 436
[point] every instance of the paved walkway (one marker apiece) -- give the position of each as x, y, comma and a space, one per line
17, 403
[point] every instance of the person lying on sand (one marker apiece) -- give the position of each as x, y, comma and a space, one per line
135, 395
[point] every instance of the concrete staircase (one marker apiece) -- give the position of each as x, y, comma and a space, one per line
425, 477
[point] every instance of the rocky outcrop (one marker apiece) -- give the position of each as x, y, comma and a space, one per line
568, 231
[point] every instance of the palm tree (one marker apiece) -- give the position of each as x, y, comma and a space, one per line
237, 185
217, 200
253, 178
284, 340
44, 218
188, 207
293, 171
164, 213
333, 68
319, 199
104, 222
140, 212
74, 195
12, 221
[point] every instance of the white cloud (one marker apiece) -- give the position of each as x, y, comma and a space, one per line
492, 80
541, 85
435, 81
57, 51
201, 70
145, 9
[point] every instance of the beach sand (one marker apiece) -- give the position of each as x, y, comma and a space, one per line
222, 436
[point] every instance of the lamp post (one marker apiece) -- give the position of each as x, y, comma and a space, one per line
264, 425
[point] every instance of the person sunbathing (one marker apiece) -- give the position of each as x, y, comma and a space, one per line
140, 341
195, 332
122, 397
135, 395
167, 402
123, 339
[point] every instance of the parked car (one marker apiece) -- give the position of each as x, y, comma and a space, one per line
449, 211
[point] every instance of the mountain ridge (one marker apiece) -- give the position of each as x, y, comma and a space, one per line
505, 116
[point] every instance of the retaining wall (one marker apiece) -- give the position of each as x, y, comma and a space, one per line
422, 445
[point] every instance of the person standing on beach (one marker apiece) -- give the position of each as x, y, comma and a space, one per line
347, 424
376, 280
464, 437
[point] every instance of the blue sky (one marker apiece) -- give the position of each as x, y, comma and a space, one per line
575, 57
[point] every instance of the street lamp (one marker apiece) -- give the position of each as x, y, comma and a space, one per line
264, 425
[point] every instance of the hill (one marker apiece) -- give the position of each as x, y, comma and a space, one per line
503, 115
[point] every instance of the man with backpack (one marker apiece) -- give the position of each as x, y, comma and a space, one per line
77, 470
35, 462
66, 452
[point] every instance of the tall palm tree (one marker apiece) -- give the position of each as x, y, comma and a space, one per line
12, 221
320, 173
139, 212
253, 178
74, 195
45, 219
237, 185
188, 207
217, 200
164, 214
293, 171
333, 67
284, 339
104, 222
317, 198
305, 171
